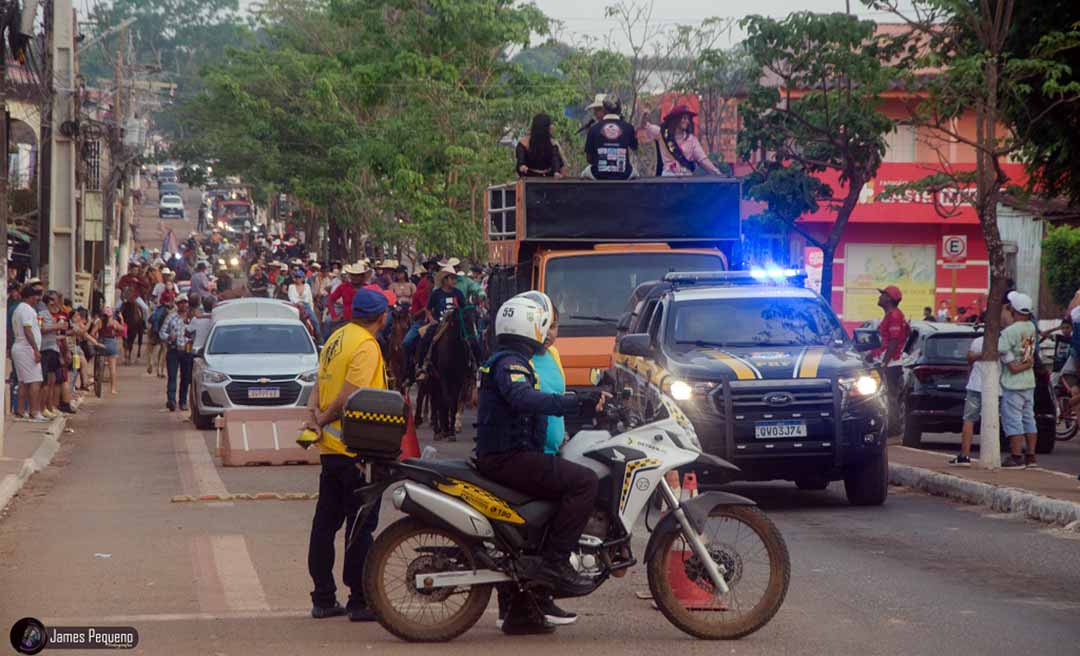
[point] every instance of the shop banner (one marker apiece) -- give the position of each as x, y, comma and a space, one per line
813, 262
870, 267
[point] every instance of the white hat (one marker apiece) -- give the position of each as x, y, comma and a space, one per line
356, 268
443, 272
389, 264
1020, 302
597, 103
166, 271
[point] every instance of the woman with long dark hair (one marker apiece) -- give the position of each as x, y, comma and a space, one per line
679, 152
538, 154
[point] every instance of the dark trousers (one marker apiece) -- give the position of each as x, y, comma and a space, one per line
338, 505
177, 364
548, 477
893, 378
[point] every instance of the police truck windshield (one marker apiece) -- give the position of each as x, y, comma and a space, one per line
766, 321
591, 290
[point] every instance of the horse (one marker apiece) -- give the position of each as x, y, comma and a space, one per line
450, 359
400, 320
136, 326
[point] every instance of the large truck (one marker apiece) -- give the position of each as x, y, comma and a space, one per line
588, 244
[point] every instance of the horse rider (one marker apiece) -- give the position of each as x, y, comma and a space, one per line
445, 297
132, 286
418, 311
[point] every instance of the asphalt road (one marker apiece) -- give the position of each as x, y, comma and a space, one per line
95, 539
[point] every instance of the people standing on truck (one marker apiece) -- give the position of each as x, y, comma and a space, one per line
894, 330
351, 360
538, 154
678, 151
608, 146
596, 112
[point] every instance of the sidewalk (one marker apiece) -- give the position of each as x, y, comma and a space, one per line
28, 448
1044, 495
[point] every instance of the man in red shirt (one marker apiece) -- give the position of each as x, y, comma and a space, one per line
355, 278
894, 330
423, 290
132, 279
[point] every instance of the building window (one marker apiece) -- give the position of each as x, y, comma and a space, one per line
92, 155
900, 144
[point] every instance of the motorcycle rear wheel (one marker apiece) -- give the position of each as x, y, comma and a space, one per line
409, 547
674, 573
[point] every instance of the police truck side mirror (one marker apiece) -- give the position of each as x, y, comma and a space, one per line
636, 344
867, 339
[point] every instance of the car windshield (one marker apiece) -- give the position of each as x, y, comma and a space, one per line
238, 211
170, 199
766, 321
948, 348
252, 339
591, 290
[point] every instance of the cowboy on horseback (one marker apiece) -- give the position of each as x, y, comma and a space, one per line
446, 296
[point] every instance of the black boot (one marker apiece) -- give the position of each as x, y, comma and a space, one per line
557, 572
524, 617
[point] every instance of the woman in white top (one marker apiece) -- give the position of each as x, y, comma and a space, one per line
679, 152
300, 294
26, 355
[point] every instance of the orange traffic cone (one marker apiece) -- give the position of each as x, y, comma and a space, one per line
410, 444
689, 594
689, 485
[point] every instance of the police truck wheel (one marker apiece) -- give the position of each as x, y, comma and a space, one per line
910, 427
406, 549
867, 483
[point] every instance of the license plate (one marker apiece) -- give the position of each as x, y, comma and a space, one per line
772, 430
264, 393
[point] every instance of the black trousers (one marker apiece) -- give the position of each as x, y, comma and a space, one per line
338, 505
893, 378
548, 477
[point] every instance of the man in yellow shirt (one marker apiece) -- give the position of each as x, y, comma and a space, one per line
351, 359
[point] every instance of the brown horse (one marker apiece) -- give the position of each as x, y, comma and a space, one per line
450, 360
136, 326
400, 320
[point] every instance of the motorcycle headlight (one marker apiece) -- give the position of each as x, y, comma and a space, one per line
212, 377
234, 262
681, 391
309, 376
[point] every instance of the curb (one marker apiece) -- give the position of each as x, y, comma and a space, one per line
1000, 499
11, 484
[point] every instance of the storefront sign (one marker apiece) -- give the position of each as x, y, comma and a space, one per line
870, 267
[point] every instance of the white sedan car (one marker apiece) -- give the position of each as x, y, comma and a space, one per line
171, 205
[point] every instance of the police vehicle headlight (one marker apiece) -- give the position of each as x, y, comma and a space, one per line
681, 391
863, 384
309, 376
212, 377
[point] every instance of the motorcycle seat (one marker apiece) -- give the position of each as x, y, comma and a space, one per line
463, 470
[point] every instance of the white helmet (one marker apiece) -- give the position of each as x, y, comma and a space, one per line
525, 316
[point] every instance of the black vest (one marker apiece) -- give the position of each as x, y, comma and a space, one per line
499, 429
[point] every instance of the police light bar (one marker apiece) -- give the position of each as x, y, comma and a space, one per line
773, 275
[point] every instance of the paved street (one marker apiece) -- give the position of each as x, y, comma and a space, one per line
103, 543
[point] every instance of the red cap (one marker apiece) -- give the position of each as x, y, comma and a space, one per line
893, 292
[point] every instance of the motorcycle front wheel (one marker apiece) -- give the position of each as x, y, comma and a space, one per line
753, 559
410, 547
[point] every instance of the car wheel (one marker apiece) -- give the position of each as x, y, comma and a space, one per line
867, 483
201, 421
910, 427
1047, 437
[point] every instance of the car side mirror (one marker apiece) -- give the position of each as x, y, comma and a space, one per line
624, 322
867, 339
198, 353
636, 344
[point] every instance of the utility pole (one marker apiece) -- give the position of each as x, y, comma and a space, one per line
4, 204
61, 236
115, 172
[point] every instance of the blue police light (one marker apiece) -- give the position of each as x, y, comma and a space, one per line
775, 273
757, 273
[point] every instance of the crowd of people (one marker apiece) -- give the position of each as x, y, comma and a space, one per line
610, 142
1018, 348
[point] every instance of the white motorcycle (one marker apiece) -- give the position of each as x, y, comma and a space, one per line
717, 566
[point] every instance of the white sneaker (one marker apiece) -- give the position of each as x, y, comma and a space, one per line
40, 419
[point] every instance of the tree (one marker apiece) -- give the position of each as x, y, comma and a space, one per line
1061, 262
814, 111
956, 53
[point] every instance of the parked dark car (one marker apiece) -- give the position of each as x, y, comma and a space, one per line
935, 384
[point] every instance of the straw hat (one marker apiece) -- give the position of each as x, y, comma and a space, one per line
443, 272
597, 103
389, 264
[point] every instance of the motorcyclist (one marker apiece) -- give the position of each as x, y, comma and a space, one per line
512, 428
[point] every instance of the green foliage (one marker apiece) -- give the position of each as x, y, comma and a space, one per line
816, 110
1061, 262
384, 115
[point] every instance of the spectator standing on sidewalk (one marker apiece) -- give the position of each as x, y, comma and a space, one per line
1018, 344
26, 354
50, 355
972, 402
894, 330
178, 361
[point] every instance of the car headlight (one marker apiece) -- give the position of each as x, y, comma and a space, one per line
309, 376
211, 377
866, 384
234, 262
681, 391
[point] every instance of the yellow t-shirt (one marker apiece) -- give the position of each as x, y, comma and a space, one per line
351, 354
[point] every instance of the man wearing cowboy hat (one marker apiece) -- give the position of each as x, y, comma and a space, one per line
679, 152
386, 273
418, 310
355, 278
258, 282
596, 107
446, 296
